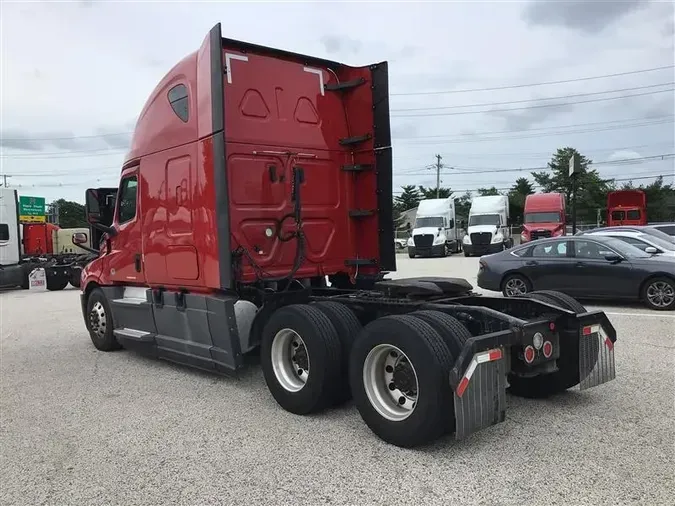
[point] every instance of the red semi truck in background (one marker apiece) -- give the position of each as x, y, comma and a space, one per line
543, 216
626, 207
254, 210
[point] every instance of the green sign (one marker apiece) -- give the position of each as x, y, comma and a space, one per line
32, 209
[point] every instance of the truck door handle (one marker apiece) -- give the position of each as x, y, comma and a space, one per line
137, 262
580, 264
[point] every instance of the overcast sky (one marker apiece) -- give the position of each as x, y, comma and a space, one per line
74, 72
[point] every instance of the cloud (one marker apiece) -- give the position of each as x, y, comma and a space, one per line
334, 44
15, 139
518, 120
587, 16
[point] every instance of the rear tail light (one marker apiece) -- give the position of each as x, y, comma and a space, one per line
529, 354
548, 349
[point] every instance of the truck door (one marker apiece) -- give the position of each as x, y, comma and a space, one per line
9, 228
125, 260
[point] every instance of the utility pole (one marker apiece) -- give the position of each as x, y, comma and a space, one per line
4, 180
439, 166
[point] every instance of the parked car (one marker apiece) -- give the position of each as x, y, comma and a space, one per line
648, 243
666, 228
400, 243
587, 267
635, 228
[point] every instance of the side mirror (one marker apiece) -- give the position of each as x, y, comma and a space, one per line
92, 206
613, 258
651, 250
452, 223
79, 238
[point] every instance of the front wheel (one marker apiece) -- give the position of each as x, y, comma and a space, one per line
99, 322
659, 294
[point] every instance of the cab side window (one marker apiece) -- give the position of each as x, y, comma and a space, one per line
126, 210
178, 98
4, 232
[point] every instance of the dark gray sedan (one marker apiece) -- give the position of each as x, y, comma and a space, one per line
586, 267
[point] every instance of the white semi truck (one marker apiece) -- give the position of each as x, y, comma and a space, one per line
436, 231
488, 228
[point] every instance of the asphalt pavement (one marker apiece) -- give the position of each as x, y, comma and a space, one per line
85, 427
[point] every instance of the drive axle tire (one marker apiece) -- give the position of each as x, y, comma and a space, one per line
99, 322
399, 373
75, 277
56, 283
301, 357
347, 326
451, 330
564, 301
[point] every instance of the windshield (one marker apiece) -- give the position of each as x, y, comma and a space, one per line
658, 242
625, 249
484, 219
429, 221
542, 217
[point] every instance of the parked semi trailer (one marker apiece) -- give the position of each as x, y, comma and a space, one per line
254, 210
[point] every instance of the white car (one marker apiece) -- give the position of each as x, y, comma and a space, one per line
646, 242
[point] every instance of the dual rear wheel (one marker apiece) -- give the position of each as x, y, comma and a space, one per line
396, 371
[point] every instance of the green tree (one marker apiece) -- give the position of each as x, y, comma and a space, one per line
591, 188
517, 194
408, 199
70, 214
430, 193
462, 206
485, 192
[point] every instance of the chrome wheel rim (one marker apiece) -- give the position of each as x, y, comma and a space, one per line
515, 286
290, 360
661, 294
97, 320
390, 382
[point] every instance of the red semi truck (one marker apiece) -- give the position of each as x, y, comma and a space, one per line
626, 207
254, 210
543, 216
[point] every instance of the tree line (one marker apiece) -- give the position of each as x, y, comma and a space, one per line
592, 192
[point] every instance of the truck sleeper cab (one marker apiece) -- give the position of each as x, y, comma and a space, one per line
543, 216
436, 230
254, 211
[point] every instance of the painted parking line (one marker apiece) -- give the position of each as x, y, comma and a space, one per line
611, 313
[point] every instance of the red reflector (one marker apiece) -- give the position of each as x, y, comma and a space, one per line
588, 331
551, 326
529, 354
495, 355
548, 349
609, 344
462, 386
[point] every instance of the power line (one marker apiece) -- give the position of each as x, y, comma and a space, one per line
529, 85
486, 104
540, 106
671, 117
662, 156
537, 134
539, 186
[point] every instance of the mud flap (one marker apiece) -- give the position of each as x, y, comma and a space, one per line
480, 396
596, 356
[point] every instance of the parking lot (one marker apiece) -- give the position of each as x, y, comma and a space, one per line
82, 427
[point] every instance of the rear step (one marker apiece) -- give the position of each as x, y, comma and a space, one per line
137, 335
